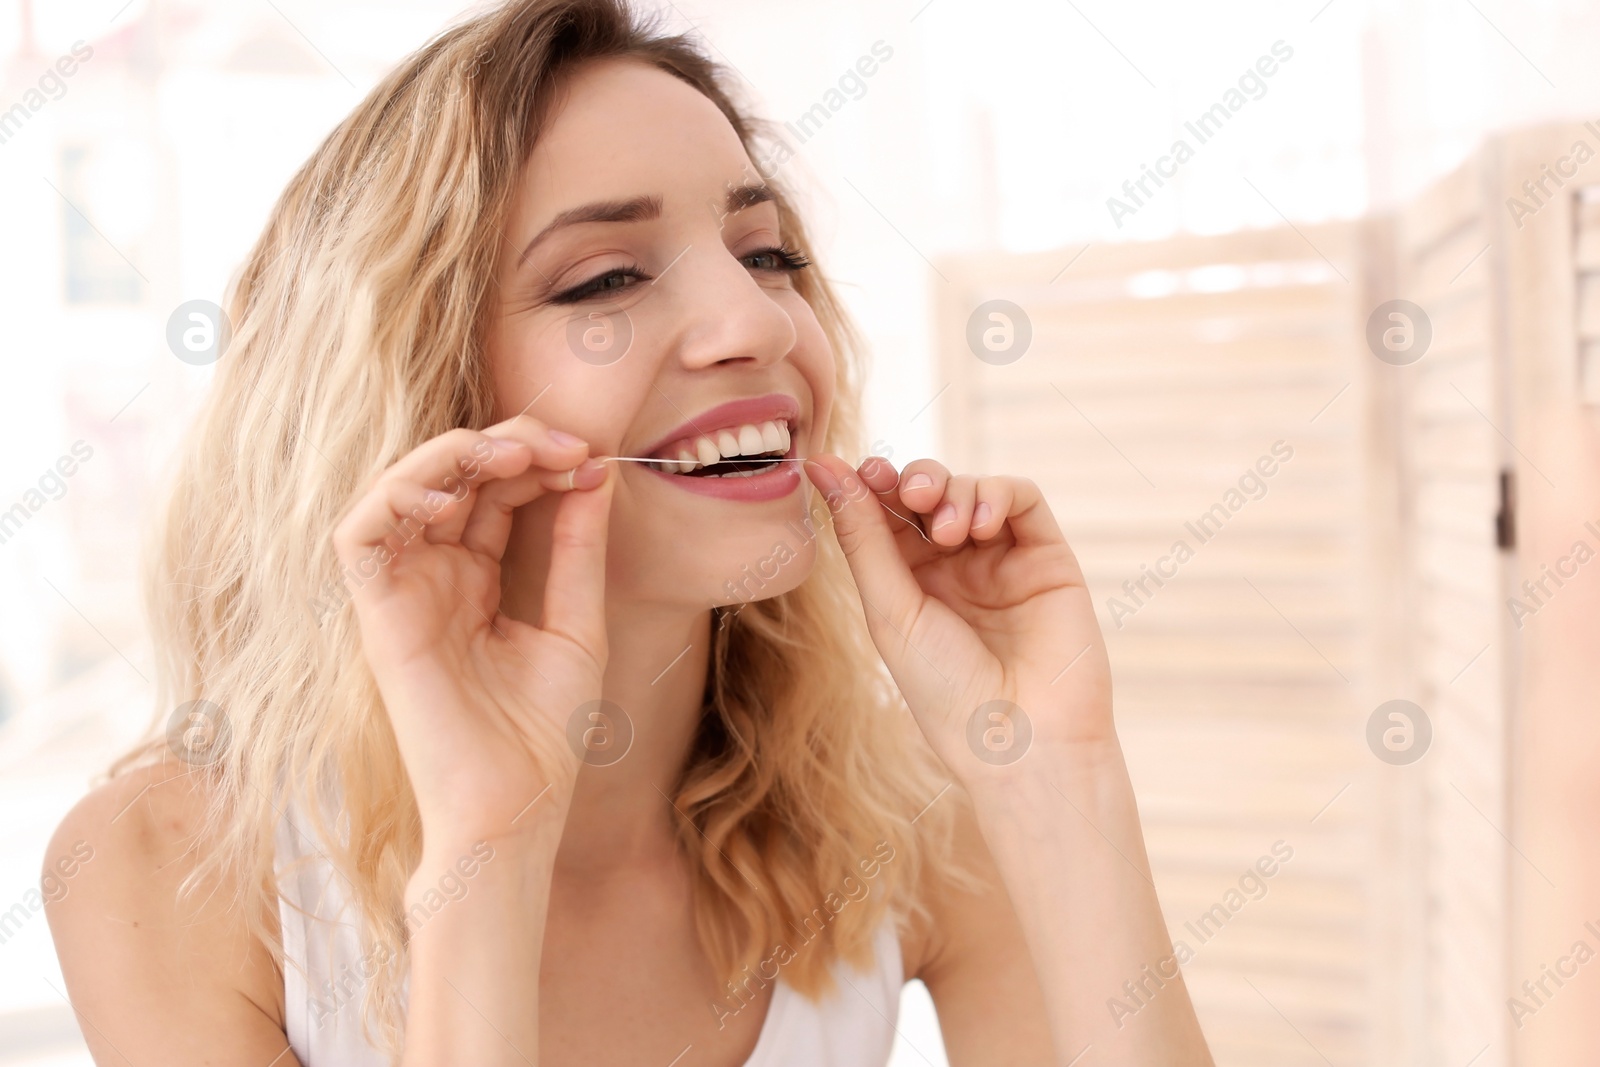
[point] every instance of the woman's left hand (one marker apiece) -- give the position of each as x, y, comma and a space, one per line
972, 597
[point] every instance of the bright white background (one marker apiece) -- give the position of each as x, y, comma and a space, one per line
1001, 124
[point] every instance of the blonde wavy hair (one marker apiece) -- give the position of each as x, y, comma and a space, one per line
358, 334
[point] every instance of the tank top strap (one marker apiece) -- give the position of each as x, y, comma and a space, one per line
325, 974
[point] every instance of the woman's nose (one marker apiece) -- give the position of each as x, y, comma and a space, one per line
723, 313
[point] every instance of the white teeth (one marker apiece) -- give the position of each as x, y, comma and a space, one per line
771, 437
751, 439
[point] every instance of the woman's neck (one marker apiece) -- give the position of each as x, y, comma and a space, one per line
654, 683
653, 688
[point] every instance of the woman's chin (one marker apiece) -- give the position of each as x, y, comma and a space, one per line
763, 579
724, 554
747, 571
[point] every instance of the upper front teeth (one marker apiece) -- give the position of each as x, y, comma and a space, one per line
752, 439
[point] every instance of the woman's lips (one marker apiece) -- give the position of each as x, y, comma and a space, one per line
747, 415
779, 482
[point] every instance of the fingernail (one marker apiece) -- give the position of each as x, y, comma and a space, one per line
981, 513
566, 440
497, 443
917, 481
944, 516
588, 474
822, 478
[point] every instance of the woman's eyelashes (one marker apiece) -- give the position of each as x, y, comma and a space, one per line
779, 258
609, 282
775, 259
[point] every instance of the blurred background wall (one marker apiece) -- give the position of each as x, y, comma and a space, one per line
142, 144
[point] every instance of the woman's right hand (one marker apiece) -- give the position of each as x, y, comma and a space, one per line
480, 702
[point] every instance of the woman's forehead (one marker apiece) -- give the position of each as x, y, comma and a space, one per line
621, 128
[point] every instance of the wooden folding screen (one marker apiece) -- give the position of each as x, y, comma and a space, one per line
1428, 540
1161, 383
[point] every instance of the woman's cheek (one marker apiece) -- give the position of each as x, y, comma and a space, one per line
814, 356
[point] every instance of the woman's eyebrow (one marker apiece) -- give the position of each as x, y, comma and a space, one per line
643, 209
638, 209
743, 196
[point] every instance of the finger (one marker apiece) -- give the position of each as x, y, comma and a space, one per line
463, 504
455, 463
922, 484
553, 449
423, 489
458, 458
389, 517
887, 587
994, 500
948, 524
879, 474
487, 528
881, 477
575, 590
1028, 515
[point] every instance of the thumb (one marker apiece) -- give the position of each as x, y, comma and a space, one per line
889, 590
575, 590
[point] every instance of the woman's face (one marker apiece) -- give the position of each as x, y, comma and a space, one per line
647, 305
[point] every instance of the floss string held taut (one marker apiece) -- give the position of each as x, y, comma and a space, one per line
646, 459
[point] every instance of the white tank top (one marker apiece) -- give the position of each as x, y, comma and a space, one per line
324, 981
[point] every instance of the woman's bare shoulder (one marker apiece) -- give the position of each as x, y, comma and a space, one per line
155, 977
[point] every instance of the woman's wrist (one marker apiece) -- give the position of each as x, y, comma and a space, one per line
475, 912
1049, 774
529, 848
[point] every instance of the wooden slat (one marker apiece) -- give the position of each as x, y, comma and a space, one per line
1445, 207
1586, 225
1588, 306
1279, 245
1454, 448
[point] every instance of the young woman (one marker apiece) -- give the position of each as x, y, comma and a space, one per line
492, 748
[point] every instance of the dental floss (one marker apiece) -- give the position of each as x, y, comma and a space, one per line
802, 459
647, 459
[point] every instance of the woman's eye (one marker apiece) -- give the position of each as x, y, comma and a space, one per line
608, 282
785, 259
777, 258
